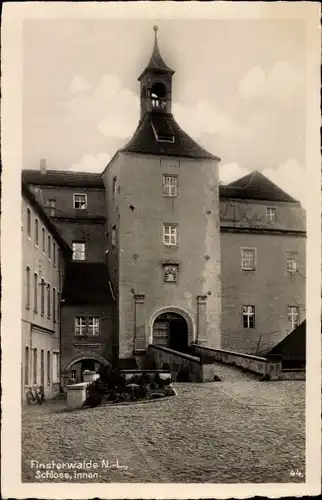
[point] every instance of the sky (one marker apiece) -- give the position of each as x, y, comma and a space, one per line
239, 90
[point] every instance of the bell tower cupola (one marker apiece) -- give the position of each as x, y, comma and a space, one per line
156, 83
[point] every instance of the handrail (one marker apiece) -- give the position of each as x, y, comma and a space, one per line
176, 353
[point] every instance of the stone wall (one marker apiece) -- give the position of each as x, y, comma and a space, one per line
180, 363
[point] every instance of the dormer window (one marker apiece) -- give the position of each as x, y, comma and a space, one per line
162, 130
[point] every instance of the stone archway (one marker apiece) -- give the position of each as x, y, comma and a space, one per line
81, 357
172, 327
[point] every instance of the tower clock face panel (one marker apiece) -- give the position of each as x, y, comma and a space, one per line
170, 274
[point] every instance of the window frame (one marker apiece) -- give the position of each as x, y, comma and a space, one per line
36, 232
249, 317
89, 326
48, 368
35, 366
48, 289
254, 253
74, 201
290, 317
27, 366
42, 297
80, 326
54, 253
43, 240
35, 294
164, 234
28, 287
288, 261
271, 210
78, 251
113, 236
54, 305
167, 187
29, 224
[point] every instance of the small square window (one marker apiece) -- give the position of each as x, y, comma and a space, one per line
170, 185
249, 316
271, 214
248, 259
170, 234
80, 201
79, 251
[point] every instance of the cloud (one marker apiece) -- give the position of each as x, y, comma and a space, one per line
289, 176
230, 172
280, 81
108, 107
79, 84
91, 163
206, 117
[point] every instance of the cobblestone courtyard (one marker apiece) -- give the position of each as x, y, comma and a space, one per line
231, 431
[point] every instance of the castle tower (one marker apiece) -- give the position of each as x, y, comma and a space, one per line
163, 225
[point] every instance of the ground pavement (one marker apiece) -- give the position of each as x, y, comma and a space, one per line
233, 431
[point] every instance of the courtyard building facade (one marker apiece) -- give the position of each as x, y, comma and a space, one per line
161, 253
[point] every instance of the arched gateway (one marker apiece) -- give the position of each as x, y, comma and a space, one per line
173, 328
73, 370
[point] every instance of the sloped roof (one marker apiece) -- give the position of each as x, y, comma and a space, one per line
292, 347
156, 62
144, 139
255, 186
63, 178
44, 217
87, 283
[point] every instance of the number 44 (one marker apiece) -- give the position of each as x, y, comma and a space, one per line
296, 473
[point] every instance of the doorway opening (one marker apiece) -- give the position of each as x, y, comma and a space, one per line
171, 330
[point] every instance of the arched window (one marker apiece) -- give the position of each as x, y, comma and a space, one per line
158, 96
48, 300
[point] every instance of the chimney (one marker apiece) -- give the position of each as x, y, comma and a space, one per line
43, 166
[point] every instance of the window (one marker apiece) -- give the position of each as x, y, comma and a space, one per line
163, 131
49, 246
54, 305
248, 259
170, 185
35, 293
293, 316
113, 236
93, 325
27, 366
29, 222
27, 287
58, 307
48, 300
36, 232
55, 366
51, 204
80, 201
114, 187
271, 214
291, 265
78, 251
80, 325
43, 239
54, 253
169, 234
42, 297
35, 367
42, 367
249, 317
48, 368
58, 258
